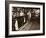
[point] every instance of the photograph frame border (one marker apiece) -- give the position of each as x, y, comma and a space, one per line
6, 18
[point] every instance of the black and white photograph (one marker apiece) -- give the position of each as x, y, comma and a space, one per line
25, 18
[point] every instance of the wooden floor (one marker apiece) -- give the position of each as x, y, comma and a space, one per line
33, 25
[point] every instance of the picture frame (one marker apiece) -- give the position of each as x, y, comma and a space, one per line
30, 5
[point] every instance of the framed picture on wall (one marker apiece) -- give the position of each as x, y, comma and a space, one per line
24, 18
